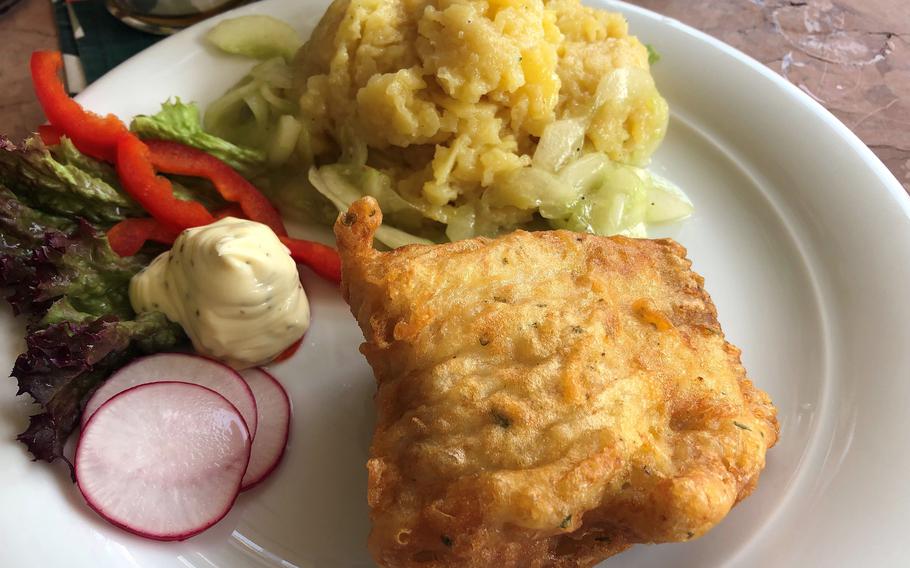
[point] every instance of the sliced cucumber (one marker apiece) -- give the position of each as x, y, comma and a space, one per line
260, 37
666, 201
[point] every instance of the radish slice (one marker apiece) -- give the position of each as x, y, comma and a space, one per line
181, 367
163, 460
274, 413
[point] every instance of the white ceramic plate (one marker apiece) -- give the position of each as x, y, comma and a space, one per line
804, 240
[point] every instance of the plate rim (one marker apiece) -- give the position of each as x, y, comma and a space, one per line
892, 186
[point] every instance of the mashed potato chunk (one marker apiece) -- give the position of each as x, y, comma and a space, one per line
449, 97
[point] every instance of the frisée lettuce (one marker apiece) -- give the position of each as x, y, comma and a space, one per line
180, 122
61, 274
64, 181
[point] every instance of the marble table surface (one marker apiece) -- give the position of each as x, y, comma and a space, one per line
853, 56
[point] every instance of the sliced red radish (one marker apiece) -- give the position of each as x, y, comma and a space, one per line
163, 460
181, 367
273, 408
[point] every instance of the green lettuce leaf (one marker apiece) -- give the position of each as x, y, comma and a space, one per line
64, 181
653, 55
66, 153
180, 122
63, 275
44, 257
64, 362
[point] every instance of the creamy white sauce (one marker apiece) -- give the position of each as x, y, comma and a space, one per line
233, 287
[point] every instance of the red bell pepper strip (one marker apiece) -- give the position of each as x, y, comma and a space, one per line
154, 193
289, 352
107, 138
176, 158
49, 135
129, 236
93, 134
324, 260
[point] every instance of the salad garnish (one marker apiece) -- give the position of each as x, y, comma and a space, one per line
83, 208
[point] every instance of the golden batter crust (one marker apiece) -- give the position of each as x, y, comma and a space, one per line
545, 399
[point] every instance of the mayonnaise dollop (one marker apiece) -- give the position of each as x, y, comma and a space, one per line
233, 287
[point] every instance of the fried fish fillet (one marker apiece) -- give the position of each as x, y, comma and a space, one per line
545, 399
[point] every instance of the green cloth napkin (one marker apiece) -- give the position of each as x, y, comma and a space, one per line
97, 41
